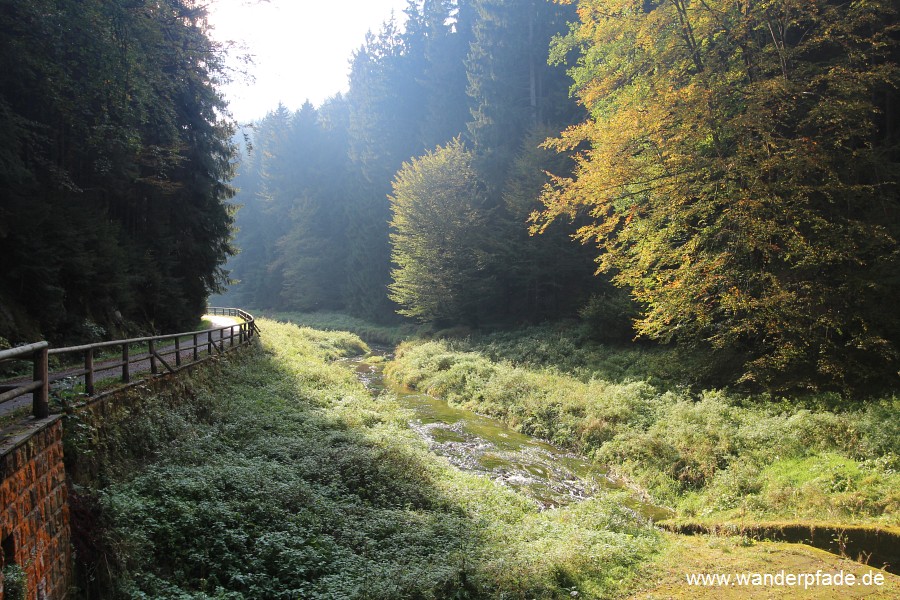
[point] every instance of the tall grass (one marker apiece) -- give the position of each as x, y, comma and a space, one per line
276, 475
572, 349
372, 333
710, 455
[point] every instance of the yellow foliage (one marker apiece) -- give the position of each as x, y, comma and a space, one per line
738, 168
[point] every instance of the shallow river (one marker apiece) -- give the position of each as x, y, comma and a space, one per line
541, 471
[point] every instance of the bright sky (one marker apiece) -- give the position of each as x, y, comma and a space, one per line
301, 48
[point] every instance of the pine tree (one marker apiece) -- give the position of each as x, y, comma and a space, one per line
448, 33
512, 87
116, 164
309, 254
545, 276
386, 111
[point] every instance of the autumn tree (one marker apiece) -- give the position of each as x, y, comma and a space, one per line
742, 177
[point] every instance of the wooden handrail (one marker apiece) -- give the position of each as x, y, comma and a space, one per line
40, 380
39, 353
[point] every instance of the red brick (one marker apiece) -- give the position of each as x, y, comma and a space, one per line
33, 498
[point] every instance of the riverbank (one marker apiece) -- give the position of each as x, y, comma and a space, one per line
276, 474
710, 456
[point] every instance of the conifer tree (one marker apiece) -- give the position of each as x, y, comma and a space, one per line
544, 276
448, 34
116, 164
513, 89
386, 110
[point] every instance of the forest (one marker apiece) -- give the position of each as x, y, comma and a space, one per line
719, 178
314, 224
651, 246
114, 168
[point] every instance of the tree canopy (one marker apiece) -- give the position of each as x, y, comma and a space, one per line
315, 222
730, 169
741, 177
114, 166
442, 239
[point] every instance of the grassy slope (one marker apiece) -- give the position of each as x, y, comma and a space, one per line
711, 456
334, 321
280, 477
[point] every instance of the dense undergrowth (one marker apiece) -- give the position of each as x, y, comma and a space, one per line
276, 475
572, 348
710, 455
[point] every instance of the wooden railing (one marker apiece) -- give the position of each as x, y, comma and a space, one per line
161, 350
39, 387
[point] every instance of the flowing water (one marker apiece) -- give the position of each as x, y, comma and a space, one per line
546, 474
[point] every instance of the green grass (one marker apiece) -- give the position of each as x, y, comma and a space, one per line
372, 333
276, 475
571, 349
665, 577
709, 455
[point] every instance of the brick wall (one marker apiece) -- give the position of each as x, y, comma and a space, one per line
34, 510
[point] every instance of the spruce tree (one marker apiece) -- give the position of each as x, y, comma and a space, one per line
115, 168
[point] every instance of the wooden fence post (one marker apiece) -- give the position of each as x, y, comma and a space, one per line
89, 371
196, 351
41, 372
126, 367
177, 352
151, 346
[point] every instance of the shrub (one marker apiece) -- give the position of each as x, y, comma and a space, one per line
609, 317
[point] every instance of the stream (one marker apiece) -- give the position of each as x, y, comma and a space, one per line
544, 473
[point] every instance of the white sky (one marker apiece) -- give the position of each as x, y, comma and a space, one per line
301, 48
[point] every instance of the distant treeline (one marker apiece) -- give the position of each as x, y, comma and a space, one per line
315, 212
731, 168
113, 167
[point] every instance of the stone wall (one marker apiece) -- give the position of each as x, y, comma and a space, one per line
34, 510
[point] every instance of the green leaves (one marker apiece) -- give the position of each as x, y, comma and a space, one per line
735, 154
441, 240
